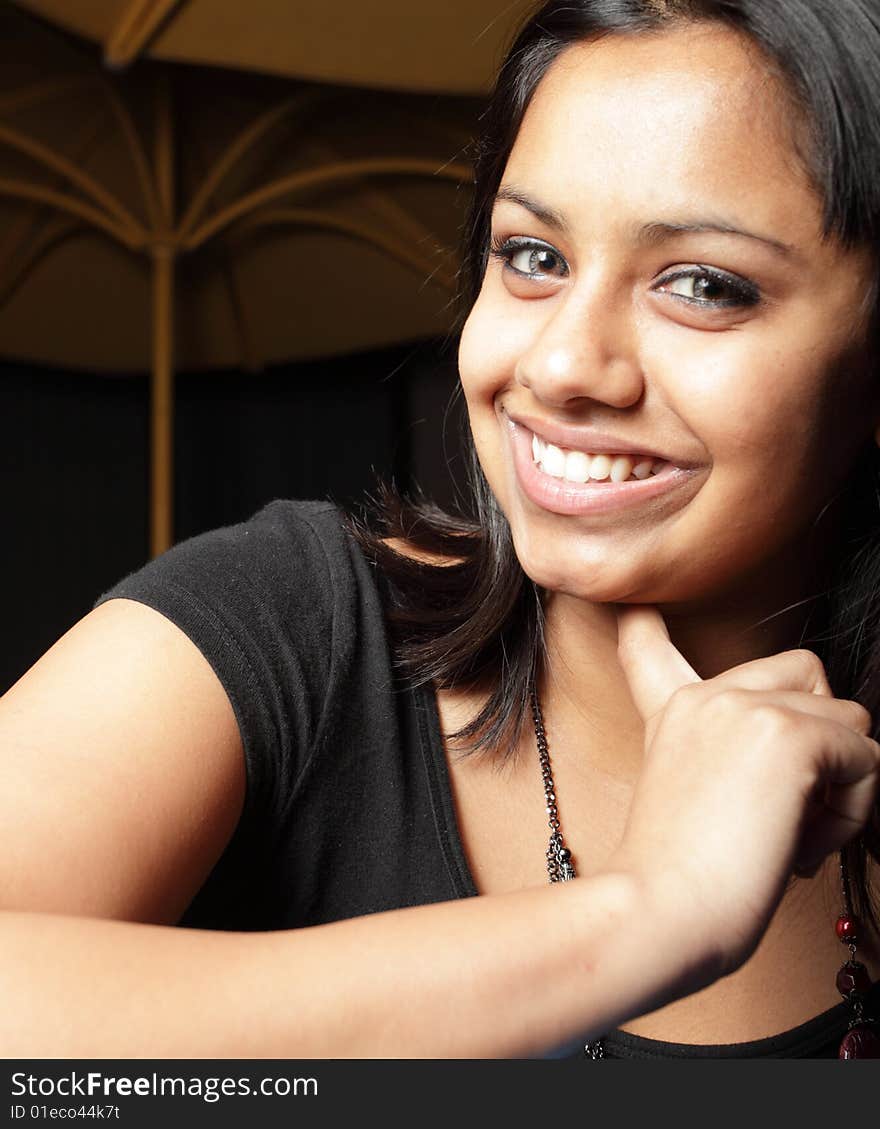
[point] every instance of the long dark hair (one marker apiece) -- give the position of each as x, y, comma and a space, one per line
477, 622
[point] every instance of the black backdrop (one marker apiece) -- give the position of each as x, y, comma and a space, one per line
74, 465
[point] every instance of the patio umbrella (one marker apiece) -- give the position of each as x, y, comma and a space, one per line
198, 218
451, 47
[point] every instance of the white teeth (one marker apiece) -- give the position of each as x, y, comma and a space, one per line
578, 466
621, 468
600, 468
642, 469
553, 461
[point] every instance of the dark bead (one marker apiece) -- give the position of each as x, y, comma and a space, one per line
853, 979
565, 854
847, 929
861, 1041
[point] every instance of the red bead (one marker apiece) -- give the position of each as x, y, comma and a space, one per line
846, 929
860, 1041
853, 979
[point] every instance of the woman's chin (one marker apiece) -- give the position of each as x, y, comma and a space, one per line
600, 583
600, 570
586, 583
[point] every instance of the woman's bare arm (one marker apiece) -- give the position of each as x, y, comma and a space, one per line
122, 780
495, 976
121, 772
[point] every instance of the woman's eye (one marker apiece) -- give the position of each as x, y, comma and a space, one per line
529, 258
706, 286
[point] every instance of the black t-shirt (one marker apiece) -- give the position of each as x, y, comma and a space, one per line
349, 808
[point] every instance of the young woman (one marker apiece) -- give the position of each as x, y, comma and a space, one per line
308, 743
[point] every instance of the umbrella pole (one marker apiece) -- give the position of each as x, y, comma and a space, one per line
162, 391
162, 404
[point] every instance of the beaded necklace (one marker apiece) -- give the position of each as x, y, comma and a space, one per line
862, 1037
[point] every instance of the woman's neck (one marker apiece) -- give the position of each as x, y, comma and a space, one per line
762, 617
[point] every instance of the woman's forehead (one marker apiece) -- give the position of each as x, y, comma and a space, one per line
692, 116
695, 68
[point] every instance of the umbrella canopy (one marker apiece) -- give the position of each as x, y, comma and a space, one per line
202, 219
451, 47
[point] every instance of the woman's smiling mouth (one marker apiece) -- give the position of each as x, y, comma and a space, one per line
572, 481
580, 466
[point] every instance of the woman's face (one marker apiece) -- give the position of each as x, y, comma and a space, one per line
659, 277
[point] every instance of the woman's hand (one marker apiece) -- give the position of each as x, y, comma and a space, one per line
747, 776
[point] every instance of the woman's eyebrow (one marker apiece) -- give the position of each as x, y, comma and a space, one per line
657, 231
649, 234
546, 215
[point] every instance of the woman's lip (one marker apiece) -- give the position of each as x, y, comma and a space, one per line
593, 442
576, 498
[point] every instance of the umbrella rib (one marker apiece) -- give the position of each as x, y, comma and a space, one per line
335, 174
248, 359
239, 147
303, 217
48, 239
138, 155
21, 190
138, 24
389, 210
18, 235
41, 92
247, 352
42, 154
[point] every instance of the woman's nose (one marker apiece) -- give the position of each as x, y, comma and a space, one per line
583, 350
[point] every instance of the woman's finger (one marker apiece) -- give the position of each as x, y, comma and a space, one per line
845, 712
787, 670
844, 805
653, 665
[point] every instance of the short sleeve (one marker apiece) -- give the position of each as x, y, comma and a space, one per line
271, 604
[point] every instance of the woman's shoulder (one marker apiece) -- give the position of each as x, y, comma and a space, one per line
282, 523
275, 603
273, 552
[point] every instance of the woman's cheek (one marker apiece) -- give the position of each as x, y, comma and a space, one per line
737, 405
492, 341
